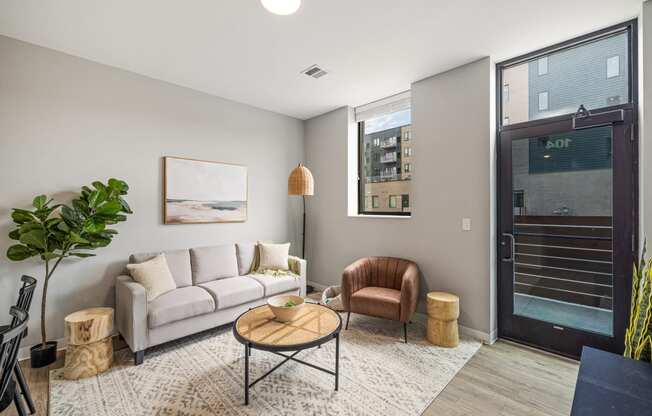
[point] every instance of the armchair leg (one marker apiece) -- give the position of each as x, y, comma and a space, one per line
24, 389
139, 357
405, 331
348, 316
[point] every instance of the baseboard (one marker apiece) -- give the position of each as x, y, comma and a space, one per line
486, 338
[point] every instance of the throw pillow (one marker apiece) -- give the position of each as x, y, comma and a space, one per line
154, 275
273, 256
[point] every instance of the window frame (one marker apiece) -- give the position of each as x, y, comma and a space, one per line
362, 211
542, 59
539, 96
630, 27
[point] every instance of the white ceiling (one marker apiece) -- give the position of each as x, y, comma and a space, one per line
235, 49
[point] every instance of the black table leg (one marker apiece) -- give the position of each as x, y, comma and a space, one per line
337, 361
247, 347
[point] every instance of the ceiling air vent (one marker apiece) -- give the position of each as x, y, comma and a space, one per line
314, 71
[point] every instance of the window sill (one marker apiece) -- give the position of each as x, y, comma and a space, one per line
391, 217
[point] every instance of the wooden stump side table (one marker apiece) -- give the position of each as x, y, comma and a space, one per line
90, 347
443, 311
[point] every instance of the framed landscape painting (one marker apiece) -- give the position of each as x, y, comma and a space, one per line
199, 191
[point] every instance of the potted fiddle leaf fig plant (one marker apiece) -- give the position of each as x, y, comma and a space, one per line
54, 232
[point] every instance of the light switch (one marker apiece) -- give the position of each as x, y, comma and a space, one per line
466, 224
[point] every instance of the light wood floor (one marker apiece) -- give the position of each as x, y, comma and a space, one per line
501, 379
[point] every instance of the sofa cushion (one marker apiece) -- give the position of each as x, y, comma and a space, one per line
178, 263
179, 304
277, 284
215, 262
154, 275
233, 291
246, 253
377, 301
273, 256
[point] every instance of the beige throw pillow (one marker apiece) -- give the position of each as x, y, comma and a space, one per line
273, 256
155, 275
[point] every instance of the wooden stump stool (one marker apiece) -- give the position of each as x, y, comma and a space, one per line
90, 347
443, 311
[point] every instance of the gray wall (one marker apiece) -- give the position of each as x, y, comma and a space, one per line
451, 181
65, 122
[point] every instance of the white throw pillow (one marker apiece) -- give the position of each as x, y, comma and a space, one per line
155, 275
274, 256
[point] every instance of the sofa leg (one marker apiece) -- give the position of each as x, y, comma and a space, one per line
139, 357
348, 316
405, 331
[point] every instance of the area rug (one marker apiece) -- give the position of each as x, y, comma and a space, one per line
203, 375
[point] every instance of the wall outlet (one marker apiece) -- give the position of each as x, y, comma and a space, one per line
466, 224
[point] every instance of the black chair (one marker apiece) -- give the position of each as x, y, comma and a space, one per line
9, 345
24, 302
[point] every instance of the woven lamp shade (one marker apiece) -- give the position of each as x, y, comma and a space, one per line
301, 182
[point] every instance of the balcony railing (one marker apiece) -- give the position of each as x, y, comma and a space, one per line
388, 142
389, 157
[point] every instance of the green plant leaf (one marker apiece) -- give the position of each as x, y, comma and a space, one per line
14, 234
21, 216
39, 201
71, 217
48, 255
19, 252
99, 185
76, 238
29, 226
125, 206
118, 185
52, 223
82, 255
34, 239
94, 225
109, 208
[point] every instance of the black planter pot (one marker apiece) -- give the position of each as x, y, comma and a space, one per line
41, 357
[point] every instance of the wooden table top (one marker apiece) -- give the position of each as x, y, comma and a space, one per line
312, 323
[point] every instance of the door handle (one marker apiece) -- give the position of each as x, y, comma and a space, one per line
512, 248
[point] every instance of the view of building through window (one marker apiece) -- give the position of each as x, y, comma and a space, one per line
386, 151
592, 74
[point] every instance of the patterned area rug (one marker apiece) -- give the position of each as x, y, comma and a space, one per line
203, 375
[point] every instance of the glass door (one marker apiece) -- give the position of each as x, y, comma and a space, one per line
566, 222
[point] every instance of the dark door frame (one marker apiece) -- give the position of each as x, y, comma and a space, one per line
633, 133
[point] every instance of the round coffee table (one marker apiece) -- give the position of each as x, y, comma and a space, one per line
314, 325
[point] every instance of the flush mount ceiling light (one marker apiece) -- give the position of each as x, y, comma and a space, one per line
282, 7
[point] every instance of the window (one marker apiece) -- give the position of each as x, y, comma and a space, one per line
405, 202
383, 172
613, 66
542, 66
586, 72
543, 101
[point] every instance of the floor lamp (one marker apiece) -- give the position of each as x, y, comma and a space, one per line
302, 183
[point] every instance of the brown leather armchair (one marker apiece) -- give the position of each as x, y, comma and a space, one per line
384, 287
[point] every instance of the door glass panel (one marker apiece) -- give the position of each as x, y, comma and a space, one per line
562, 216
594, 74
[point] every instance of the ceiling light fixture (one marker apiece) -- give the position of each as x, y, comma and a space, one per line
282, 7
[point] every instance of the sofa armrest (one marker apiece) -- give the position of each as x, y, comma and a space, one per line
131, 312
299, 267
409, 292
354, 278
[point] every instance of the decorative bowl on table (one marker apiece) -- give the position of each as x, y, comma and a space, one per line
285, 307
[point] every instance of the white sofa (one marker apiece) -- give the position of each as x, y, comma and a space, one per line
214, 286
